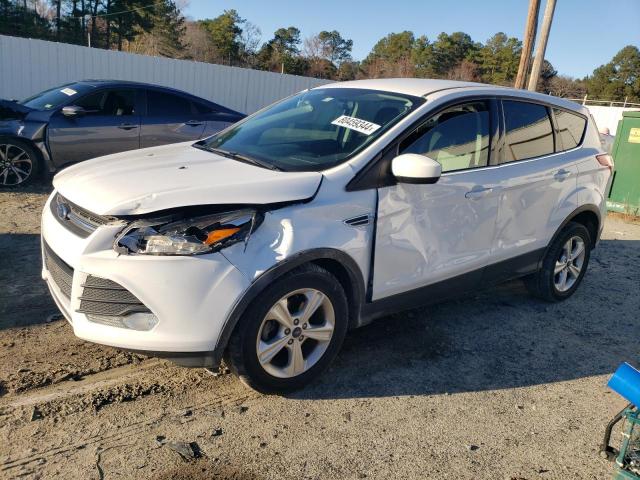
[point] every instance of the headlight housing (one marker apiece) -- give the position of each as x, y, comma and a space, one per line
191, 236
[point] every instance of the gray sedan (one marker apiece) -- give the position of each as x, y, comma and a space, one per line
92, 118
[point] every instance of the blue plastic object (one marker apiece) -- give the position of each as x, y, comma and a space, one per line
626, 382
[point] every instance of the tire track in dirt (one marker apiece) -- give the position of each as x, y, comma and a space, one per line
133, 430
87, 384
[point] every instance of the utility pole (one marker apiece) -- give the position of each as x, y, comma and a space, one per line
528, 42
542, 45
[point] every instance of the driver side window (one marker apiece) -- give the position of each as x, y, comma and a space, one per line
457, 138
120, 102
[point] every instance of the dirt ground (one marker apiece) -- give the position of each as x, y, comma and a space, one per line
495, 385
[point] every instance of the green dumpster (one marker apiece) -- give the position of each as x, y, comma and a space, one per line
624, 195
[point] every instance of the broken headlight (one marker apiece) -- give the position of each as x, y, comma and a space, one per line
192, 236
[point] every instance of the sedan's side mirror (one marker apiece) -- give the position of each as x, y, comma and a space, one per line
73, 111
414, 168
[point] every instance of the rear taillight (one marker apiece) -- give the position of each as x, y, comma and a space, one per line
605, 160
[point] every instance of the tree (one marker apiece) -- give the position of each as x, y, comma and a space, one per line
349, 70
19, 20
422, 57
466, 70
286, 41
325, 52
566, 87
619, 79
160, 31
391, 56
225, 31
249, 42
449, 50
499, 58
334, 48
281, 53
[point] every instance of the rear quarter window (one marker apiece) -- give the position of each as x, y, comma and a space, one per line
528, 131
571, 128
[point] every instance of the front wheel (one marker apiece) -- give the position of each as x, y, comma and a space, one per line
563, 266
291, 332
19, 163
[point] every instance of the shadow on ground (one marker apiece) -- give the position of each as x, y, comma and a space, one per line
496, 339
24, 297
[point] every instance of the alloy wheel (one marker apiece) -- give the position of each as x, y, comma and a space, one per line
15, 165
295, 333
569, 265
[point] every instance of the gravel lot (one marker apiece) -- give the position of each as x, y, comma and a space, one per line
496, 385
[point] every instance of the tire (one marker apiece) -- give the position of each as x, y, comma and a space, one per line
547, 284
20, 163
280, 341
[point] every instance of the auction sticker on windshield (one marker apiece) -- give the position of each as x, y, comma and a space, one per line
69, 91
356, 124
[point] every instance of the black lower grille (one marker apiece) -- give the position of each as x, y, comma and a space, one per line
105, 297
60, 273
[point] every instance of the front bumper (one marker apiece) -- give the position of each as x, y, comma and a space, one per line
191, 296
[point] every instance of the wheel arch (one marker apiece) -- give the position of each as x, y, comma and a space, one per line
587, 215
337, 262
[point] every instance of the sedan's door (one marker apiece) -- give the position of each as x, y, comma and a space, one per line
110, 124
429, 233
170, 118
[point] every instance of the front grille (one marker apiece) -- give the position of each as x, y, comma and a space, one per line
76, 219
60, 273
105, 297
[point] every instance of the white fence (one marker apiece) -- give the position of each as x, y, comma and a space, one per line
29, 66
608, 117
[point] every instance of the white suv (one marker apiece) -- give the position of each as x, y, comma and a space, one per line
265, 243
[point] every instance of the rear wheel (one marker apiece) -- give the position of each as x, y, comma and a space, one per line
19, 163
563, 266
291, 332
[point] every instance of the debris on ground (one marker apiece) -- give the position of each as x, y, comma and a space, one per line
187, 450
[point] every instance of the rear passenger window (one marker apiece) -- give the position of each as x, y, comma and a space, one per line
528, 131
457, 138
570, 128
165, 104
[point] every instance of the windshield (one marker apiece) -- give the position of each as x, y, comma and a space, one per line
314, 130
50, 99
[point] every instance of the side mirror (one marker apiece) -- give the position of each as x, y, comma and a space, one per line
73, 111
414, 168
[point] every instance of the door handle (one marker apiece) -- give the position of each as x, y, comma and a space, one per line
561, 174
477, 193
193, 123
127, 126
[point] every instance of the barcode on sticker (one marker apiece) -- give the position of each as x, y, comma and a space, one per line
356, 124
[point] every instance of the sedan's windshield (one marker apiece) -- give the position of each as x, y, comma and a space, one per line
50, 99
314, 130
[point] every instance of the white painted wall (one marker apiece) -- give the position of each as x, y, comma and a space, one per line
29, 66
607, 116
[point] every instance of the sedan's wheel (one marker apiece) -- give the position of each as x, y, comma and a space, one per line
291, 332
18, 163
563, 266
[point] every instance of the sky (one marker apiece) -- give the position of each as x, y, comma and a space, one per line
585, 33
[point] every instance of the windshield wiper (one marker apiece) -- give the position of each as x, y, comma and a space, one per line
238, 156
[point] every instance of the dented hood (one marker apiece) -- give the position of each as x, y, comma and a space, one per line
178, 175
10, 110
